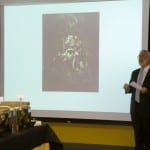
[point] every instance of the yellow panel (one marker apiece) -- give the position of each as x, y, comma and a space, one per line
116, 135
44, 146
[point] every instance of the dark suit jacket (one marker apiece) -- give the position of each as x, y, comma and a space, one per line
144, 98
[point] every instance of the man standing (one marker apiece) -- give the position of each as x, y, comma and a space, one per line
139, 87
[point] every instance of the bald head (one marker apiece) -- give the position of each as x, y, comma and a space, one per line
144, 58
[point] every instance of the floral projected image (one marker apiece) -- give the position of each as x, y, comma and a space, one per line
71, 52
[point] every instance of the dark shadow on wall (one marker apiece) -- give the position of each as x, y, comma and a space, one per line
149, 30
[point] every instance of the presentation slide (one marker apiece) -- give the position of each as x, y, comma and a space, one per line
71, 60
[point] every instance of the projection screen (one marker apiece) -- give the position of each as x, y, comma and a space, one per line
70, 60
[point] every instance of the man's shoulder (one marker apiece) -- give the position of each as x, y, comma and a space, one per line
136, 70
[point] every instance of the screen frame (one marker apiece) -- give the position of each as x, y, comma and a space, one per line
71, 114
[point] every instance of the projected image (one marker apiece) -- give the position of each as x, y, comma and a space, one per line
71, 52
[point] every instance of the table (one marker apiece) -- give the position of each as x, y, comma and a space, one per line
29, 138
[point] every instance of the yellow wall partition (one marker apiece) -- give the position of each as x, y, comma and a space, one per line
103, 134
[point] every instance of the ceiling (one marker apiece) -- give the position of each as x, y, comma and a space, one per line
19, 2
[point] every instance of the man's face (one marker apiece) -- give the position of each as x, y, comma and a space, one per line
144, 59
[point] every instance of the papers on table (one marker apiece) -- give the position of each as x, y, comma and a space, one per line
135, 85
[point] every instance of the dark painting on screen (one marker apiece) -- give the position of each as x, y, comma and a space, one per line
71, 52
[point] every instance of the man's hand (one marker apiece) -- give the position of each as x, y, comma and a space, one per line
126, 87
144, 90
